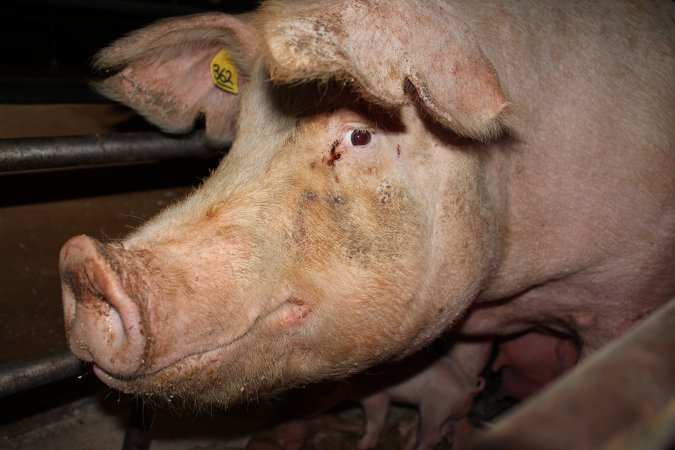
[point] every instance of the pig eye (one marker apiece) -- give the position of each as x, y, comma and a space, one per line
360, 137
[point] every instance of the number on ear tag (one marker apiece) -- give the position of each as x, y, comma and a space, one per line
224, 72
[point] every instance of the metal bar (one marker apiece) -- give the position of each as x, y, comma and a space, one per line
621, 397
141, 417
31, 373
58, 152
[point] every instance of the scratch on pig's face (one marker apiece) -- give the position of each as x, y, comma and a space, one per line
333, 154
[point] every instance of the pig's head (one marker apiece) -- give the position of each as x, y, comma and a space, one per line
345, 227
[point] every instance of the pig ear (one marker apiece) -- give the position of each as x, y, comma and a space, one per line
396, 52
164, 71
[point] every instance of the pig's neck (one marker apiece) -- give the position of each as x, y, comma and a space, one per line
535, 218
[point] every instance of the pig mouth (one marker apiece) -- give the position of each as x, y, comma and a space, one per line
155, 381
181, 377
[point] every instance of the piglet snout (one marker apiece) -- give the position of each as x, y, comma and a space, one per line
104, 324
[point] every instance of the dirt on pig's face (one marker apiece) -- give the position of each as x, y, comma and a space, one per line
328, 240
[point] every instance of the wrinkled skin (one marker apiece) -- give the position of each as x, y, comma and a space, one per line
505, 186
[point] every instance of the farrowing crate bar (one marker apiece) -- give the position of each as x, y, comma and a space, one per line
70, 151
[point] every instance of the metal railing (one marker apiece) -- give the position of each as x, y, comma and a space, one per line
72, 151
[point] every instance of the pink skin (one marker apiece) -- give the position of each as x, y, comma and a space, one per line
314, 252
529, 362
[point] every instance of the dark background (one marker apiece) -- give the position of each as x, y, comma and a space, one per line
47, 44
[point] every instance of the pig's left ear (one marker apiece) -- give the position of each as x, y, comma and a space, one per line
394, 51
176, 70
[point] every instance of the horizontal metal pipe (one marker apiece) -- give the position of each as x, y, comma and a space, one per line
621, 397
31, 373
69, 151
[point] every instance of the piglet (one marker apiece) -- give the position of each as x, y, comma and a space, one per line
442, 392
436, 385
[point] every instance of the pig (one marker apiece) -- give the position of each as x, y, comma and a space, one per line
399, 168
436, 385
442, 392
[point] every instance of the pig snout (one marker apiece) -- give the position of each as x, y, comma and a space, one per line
104, 324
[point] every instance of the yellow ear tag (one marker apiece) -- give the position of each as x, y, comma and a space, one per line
224, 72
